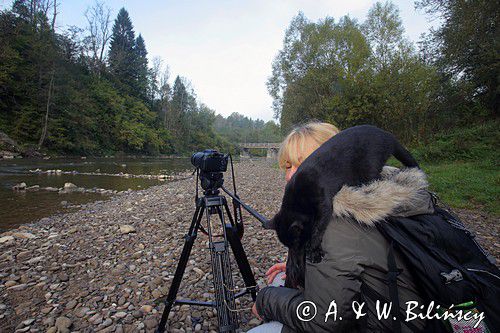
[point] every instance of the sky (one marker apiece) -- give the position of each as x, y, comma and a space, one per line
226, 48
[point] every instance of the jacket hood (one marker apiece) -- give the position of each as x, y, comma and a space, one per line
397, 193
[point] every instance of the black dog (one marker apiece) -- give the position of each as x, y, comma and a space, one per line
353, 157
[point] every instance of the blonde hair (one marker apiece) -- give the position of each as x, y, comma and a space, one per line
303, 140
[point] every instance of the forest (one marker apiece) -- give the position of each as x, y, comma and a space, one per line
92, 90
349, 72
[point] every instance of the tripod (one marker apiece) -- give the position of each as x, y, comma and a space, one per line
212, 203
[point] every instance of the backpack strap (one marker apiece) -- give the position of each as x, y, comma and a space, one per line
375, 295
392, 278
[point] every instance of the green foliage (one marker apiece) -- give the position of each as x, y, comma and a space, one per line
462, 166
466, 46
125, 107
122, 55
476, 143
351, 73
467, 184
238, 128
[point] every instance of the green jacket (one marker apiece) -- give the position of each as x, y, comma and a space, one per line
355, 254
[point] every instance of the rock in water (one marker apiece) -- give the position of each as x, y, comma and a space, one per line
19, 187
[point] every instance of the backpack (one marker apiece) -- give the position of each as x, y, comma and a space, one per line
449, 267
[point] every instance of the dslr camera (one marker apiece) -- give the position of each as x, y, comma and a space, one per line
211, 165
210, 160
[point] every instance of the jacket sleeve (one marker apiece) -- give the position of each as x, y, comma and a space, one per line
331, 284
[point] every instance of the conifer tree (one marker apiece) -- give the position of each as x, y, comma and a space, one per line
141, 67
122, 57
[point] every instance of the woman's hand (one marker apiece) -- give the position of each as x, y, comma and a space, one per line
254, 311
274, 270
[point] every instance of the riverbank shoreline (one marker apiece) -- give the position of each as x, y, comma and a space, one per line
101, 268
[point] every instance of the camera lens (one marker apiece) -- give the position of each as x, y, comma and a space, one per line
197, 158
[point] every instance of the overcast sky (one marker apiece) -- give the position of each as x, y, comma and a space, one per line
225, 48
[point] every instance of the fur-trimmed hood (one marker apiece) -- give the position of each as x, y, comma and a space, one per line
396, 193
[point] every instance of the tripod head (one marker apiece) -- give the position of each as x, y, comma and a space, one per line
210, 166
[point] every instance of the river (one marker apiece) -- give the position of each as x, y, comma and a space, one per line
117, 174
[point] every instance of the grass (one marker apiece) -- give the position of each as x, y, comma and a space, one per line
471, 185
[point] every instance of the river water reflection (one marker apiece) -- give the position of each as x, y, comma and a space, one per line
19, 207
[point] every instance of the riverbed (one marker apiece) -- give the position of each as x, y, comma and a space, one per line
92, 174
106, 266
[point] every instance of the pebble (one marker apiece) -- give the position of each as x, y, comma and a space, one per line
120, 314
146, 308
28, 322
6, 239
96, 319
23, 235
126, 229
10, 283
71, 304
150, 323
63, 324
81, 312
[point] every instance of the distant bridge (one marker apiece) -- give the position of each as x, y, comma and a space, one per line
271, 147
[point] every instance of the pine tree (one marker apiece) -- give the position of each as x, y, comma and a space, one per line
122, 56
141, 67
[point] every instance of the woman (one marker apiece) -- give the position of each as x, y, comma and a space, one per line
356, 253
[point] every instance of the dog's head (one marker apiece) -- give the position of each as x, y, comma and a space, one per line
299, 209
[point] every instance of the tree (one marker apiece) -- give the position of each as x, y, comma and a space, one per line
467, 46
98, 21
122, 57
141, 68
317, 62
384, 31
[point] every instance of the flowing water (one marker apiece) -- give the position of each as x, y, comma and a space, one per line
19, 207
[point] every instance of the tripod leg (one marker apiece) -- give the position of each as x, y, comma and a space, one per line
181, 266
240, 255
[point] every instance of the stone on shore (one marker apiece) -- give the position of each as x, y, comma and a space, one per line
126, 229
63, 324
6, 239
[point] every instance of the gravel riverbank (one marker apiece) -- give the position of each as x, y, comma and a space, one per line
100, 269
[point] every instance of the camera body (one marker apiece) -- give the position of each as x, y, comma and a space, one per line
210, 160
